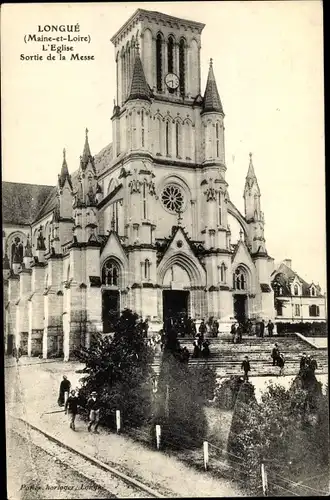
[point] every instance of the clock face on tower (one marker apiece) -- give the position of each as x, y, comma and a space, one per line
172, 81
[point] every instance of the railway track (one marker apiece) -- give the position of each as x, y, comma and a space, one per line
104, 476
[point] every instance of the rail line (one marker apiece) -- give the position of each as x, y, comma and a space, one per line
106, 477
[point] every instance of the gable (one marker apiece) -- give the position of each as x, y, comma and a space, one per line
242, 256
113, 248
180, 253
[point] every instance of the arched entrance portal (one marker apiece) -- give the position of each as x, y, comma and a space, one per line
176, 295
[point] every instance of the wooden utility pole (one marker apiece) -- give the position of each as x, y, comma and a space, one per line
264, 480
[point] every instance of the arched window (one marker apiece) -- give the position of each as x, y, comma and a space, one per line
177, 139
217, 139
110, 274
219, 208
170, 55
296, 290
167, 138
147, 269
313, 292
159, 63
297, 310
142, 128
223, 273
144, 199
182, 66
240, 280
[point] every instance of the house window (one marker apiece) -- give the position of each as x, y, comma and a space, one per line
159, 62
279, 309
313, 292
296, 290
217, 139
297, 310
110, 274
314, 310
182, 66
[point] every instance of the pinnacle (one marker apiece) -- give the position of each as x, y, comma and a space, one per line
86, 156
212, 101
139, 88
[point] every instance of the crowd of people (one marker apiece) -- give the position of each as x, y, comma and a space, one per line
250, 328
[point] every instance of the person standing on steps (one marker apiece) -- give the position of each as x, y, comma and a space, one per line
64, 388
275, 354
246, 368
71, 407
233, 332
93, 406
270, 328
281, 363
262, 328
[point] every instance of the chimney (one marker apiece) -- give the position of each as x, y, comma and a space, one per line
288, 263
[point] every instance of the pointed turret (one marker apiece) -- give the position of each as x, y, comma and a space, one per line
212, 101
251, 178
252, 194
64, 175
139, 89
86, 157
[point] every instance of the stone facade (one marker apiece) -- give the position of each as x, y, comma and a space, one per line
143, 224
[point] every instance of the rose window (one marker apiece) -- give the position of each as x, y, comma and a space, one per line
172, 198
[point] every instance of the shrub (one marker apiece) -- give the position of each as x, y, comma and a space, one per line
180, 403
119, 370
284, 431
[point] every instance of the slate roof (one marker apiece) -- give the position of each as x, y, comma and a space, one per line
212, 101
284, 275
139, 88
22, 202
26, 203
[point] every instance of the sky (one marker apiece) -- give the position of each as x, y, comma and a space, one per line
268, 64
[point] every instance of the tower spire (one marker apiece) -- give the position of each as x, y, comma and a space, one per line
212, 101
251, 178
64, 175
86, 156
139, 89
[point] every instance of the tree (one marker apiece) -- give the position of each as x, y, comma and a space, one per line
283, 431
180, 400
119, 369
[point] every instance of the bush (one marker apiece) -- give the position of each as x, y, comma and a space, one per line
311, 329
284, 431
119, 370
180, 403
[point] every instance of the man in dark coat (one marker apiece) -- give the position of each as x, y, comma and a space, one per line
202, 329
275, 354
246, 368
312, 364
233, 331
262, 328
64, 387
71, 407
94, 408
270, 328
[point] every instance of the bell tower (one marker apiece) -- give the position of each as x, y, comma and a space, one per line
170, 55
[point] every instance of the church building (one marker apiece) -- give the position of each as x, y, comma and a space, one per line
144, 224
